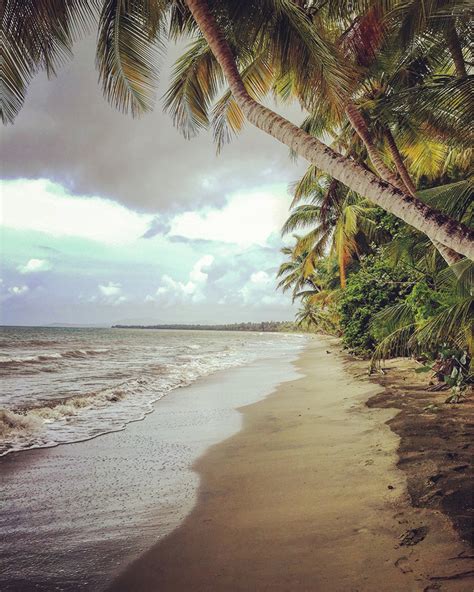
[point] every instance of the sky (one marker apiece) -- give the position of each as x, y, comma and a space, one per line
108, 219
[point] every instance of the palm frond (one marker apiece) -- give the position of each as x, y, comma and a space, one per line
195, 82
127, 53
447, 325
441, 105
454, 198
37, 35
227, 117
394, 345
302, 217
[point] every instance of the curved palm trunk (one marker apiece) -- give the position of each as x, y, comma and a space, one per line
398, 161
455, 50
435, 224
359, 124
357, 121
450, 256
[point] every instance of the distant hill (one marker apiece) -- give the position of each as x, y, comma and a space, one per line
265, 326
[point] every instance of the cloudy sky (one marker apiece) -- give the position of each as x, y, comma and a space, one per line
109, 219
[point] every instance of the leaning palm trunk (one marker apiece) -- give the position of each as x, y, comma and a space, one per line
454, 46
450, 256
358, 123
398, 161
403, 182
413, 211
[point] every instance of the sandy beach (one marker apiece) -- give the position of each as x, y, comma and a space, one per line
272, 476
306, 497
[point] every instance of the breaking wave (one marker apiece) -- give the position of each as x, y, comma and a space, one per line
7, 361
102, 380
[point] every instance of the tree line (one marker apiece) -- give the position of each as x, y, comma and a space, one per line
262, 327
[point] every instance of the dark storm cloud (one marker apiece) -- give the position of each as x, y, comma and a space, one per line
69, 134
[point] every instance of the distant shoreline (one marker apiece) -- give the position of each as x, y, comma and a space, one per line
267, 326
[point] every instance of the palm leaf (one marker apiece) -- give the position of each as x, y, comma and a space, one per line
127, 52
37, 35
227, 117
195, 81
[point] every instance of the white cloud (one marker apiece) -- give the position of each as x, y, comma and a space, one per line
247, 218
259, 290
35, 265
18, 290
112, 293
43, 206
260, 278
171, 291
111, 289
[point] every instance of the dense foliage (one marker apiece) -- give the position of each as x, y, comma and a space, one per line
376, 285
388, 289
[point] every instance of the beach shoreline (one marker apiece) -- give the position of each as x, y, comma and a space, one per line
306, 496
74, 515
291, 483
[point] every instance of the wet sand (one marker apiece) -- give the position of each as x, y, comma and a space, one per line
308, 497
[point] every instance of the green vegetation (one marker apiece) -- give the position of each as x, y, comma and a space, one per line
373, 287
263, 327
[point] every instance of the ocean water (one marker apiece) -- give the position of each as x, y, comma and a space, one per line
61, 385
73, 517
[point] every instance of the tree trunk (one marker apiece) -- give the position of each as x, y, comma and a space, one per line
357, 121
450, 256
455, 49
398, 161
435, 224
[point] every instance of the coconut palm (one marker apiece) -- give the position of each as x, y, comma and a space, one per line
298, 272
129, 34
352, 175
317, 318
362, 43
340, 222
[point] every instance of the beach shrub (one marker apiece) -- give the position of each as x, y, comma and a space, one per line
376, 285
424, 302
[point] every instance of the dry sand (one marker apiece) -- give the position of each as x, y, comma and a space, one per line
306, 497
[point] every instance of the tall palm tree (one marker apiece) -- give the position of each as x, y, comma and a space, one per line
340, 222
363, 43
128, 35
459, 238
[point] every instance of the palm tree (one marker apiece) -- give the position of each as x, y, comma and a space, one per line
363, 43
340, 221
128, 35
413, 211
297, 273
